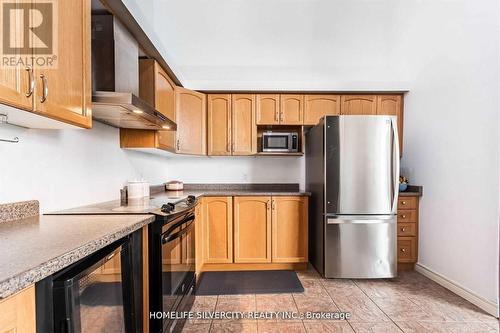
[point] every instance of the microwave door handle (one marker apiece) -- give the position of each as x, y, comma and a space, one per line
165, 237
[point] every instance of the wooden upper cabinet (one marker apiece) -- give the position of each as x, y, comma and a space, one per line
392, 105
268, 109
244, 129
64, 92
190, 111
252, 229
156, 88
317, 106
292, 109
359, 104
17, 312
217, 233
219, 124
289, 229
15, 89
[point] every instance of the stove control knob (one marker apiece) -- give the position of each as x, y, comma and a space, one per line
167, 208
190, 199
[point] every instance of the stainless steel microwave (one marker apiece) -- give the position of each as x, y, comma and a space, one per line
280, 142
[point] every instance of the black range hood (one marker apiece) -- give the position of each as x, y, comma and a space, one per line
115, 79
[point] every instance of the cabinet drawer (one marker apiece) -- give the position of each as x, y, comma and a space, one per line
407, 249
407, 229
407, 216
407, 203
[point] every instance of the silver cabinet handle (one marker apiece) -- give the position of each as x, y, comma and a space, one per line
45, 88
276, 115
31, 87
268, 204
281, 116
178, 144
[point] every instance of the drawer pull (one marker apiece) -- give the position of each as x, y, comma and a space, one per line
403, 202
403, 229
403, 216
403, 250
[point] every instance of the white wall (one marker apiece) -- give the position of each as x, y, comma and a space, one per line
444, 51
69, 168
62, 168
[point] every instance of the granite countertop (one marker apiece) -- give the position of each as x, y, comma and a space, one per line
412, 191
36, 247
159, 197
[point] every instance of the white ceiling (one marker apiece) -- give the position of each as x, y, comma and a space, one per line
280, 44
294, 44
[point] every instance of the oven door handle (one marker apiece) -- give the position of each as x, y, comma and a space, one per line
165, 237
178, 224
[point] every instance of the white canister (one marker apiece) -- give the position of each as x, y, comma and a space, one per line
135, 189
145, 192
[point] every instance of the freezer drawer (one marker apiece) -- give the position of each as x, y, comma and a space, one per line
360, 247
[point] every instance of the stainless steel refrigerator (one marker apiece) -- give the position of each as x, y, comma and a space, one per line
352, 171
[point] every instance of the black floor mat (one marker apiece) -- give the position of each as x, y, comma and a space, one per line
249, 282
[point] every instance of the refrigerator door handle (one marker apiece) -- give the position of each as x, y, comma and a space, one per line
359, 219
395, 164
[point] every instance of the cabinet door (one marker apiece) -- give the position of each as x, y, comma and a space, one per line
67, 87
358, 104
219, 124
17, 312
244, 141
252, 229
290, 229
164, 102
190, 111
15, 80
392, 105
317, 106
292, 110
217, 230
268, 109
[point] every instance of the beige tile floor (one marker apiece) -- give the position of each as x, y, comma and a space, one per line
409, 303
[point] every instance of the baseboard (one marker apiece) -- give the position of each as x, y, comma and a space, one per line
469, 295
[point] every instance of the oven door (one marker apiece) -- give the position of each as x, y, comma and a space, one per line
178, 264
276, 142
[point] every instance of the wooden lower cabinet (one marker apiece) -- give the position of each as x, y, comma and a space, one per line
172, 251
290, 229
113, 266
407, 230
254, 232
17, 312
217, 229
252, 229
